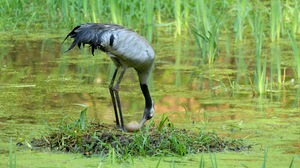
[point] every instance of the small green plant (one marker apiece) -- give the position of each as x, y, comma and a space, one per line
264, 165
164, 120
157, 165
207, 44
276, 57
201, 162
213, 160
207, 30
12, 155
82, 117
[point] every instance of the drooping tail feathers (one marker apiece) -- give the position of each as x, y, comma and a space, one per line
90, 33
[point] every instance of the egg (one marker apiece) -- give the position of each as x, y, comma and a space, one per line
132, 126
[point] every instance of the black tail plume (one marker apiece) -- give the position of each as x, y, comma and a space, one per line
90, 33
85, 34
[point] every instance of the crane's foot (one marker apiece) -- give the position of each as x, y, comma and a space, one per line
121, 128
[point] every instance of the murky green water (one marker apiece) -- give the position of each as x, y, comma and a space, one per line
40, 84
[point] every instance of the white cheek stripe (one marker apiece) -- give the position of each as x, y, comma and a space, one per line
152, 111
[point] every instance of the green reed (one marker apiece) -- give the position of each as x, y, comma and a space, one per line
292, 161
276, 19
296, 54
276, 60
65, 9
242, 68
296, 17
12, 155
202, 12
213, 160
67, 13
186, 13
264, 165
94, 8
243, 8
207, 31
177, 9
116, 11
178, 61
260, 70
149, 22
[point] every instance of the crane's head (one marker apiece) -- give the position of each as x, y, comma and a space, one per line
148, 113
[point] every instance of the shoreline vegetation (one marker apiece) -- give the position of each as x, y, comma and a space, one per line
227, 16
163, 139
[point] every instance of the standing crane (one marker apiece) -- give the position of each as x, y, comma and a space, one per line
127, 49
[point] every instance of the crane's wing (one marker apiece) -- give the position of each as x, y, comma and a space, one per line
90, 33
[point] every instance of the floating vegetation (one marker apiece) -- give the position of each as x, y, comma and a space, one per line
161, 139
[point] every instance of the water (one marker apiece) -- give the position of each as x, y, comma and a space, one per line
40, 86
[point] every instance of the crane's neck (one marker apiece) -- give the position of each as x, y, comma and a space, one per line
149, 106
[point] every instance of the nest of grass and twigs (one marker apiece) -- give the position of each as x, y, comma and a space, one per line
161, 139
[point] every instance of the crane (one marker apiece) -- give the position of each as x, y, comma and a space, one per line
127, 49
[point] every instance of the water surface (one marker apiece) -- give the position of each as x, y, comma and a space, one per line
41, 86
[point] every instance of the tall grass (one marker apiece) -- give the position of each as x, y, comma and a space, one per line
296, 16
276, 19
177, 8
242, 68
116, 11
260, 69
186, 13
19, 15
207, 31
276, 60
243, 8
12, 155
149, 19
264, 165
296, 54
202, 12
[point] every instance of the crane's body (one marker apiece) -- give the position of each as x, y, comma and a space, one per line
127, 49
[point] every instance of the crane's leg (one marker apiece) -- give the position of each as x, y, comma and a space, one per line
116, 98
113, 99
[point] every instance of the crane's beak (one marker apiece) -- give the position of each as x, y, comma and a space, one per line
142, 122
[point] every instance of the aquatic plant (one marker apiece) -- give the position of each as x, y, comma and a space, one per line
12, 155
296, 16
264, 165
260, 74
207, 31
177, 7
149, 22
276, 60
116, 11
276, 19
242, 8
186, 13
296, 54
